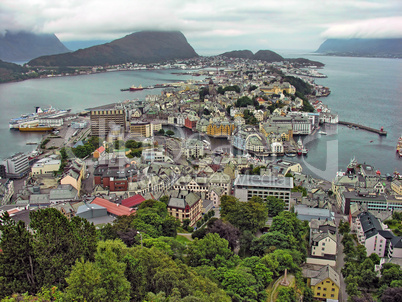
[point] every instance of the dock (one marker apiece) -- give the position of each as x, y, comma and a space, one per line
378, 131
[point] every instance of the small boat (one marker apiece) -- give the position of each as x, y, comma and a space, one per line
134, 88
371, 141
322, 132
290, 154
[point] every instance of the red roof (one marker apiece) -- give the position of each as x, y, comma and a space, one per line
113, 208
133, 201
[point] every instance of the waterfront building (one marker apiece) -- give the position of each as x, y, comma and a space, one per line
102, 119
220, 128
17, 165
396, 186
193, 148
191, 121
247, 186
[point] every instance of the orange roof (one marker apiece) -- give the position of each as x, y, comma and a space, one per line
113, 208
101, 149
13, 211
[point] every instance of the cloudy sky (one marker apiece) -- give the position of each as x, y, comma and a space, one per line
211, 26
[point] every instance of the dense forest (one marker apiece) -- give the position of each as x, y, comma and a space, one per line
142, 258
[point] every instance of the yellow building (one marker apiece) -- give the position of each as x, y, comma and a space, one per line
46, 165
396, 186
223, 128
187, 207
143, 129
278, 88
326, 284
74, 175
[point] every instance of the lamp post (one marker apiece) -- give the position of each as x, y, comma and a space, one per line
141, 237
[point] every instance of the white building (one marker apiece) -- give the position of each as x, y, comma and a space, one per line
323, 244
247, 186
17, 165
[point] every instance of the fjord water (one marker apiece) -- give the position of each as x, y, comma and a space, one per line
363, 90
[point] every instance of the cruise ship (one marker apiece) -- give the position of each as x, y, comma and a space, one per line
50, 112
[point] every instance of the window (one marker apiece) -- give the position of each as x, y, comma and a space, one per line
332, 295
324, 288
323, 244
319, 288
318, 294
323, 248
333, 289
324, 295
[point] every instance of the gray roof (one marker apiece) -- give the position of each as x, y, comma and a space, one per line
397, 242
88, 207
177, 203
324, 273
306, 213
65, 192
264, 181
370, 224
39, 199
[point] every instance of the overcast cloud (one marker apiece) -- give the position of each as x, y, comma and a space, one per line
210, 26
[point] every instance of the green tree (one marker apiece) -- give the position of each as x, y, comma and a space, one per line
161, 131
119, 144
286, 294
103, 280
275, 205
169, 133
57, 244
344, 227
204, 251
308, 295
17, 259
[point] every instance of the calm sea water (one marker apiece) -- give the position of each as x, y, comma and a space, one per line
363, 90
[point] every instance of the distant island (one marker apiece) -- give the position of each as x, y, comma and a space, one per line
24, 46
270, 56
383, 48
141, 47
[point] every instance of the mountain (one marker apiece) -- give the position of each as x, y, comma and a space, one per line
268, 56
24, 46
263, 55
389, 48
241, 54
12, 72
141, 47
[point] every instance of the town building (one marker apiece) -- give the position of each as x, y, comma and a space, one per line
325, 283
17, 165
188, 206
193, 148
113, 208
102, 119
47, 165
247, 186
6, 190
141, 129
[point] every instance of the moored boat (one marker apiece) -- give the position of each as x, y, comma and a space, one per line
134, 88
35, 128
39, 113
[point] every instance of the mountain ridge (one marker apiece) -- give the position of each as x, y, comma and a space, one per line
24, 46
388, 48
141, 47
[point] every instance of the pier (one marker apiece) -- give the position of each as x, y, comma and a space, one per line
380, 132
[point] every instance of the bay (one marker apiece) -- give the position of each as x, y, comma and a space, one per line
363, 90
70, 92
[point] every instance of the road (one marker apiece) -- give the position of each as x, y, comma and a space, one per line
343, 296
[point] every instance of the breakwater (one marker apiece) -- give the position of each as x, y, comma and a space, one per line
349, 124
